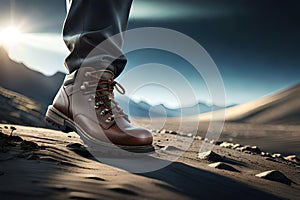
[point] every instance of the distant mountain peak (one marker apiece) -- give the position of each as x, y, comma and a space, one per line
58, 74
19, 78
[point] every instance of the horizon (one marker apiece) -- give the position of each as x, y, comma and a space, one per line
140, 100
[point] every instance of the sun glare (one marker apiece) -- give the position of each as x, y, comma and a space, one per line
10, 36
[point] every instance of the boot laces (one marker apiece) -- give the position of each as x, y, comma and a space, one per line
104, 96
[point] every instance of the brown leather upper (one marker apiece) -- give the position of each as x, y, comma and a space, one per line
91, 107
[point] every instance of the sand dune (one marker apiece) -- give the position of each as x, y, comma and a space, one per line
271, 122
280, 108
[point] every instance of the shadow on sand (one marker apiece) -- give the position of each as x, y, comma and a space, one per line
189, 181
201, 184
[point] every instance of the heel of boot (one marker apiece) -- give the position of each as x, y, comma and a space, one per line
57, 121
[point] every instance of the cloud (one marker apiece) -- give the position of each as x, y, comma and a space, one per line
46, 41
168, 10
41, 52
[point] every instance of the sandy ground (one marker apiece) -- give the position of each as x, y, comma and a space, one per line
274, 138
50, 170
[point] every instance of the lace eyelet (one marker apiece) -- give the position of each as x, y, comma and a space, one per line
110, 119
98, 104
84, 86
104, 112
87, 74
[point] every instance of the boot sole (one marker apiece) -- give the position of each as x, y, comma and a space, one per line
66, 125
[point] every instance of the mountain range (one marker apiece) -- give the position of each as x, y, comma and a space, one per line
25, 95
19, 78
143, 109
35, 85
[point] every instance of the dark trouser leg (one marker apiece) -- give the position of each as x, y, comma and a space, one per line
90, 22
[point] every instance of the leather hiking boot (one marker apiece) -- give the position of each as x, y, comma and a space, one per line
85, 104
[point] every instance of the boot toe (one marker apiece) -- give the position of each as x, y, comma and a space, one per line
140, 137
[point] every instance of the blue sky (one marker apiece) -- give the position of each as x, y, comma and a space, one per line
255, 44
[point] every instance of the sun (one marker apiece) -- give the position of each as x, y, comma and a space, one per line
10, 36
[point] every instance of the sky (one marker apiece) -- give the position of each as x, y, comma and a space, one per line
254, 43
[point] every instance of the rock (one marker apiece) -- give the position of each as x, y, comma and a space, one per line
277, 155
292, 158
28, 145
160, 146
274, 175
189, 135
73, 146
226, 145
210, 156
198, 138
173, 132
212, 142
235, 146
240, 149
79, 149
163, 131
218, 142
171, 148
265, 154
168, 131
224, 166
251, 149
206, 140
255, 149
